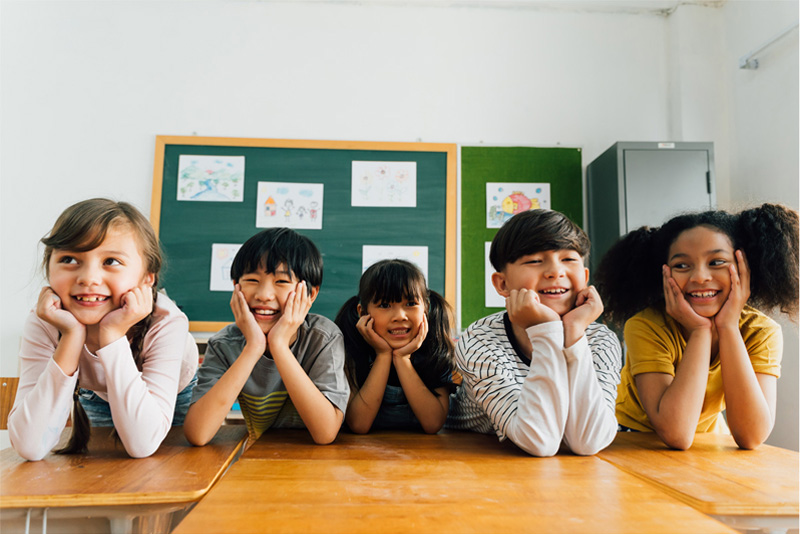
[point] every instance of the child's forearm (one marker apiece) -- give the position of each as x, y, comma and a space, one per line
366, 402
542, 406
68, 352
430, 410
322, 419
676, 411
207, 414
591, 423
749, 412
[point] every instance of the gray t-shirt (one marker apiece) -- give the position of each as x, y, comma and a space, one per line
319, 349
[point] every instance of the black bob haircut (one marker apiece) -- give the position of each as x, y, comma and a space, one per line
271, 248
535, 231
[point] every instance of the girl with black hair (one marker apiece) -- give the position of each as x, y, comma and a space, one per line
687, 294
399, 353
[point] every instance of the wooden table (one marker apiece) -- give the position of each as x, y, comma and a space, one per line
114, 491
745, 489
404, 482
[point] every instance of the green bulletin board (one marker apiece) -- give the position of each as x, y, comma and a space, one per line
187, 229
560, 167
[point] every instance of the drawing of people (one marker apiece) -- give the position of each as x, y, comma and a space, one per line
313, 210
365, 185
301, 212
287, 207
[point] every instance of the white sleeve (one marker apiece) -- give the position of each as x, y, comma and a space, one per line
44, 395
593, 378
531, 414
142, 403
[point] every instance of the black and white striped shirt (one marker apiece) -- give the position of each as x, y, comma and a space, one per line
560, 394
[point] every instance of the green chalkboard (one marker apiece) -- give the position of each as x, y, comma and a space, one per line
188, 229
559, 167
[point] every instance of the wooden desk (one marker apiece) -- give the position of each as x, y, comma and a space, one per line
745, 489
402, 482
107, 483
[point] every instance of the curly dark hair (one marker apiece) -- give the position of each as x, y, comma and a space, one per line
629, 275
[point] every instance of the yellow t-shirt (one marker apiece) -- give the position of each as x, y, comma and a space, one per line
654, 344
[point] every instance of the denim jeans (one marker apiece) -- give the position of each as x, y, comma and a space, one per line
99, 412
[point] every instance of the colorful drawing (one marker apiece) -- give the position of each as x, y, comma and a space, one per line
211, 178
290, 204
373, 253
388, 184
222, 255
504, 200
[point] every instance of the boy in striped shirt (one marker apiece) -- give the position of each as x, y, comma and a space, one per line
542, 373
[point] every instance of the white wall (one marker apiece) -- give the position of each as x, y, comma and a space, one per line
86, 86
764, 142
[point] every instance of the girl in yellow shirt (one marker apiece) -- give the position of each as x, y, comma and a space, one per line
687, 293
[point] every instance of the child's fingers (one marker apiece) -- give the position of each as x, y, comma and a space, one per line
744, 269
735, 281
423, 328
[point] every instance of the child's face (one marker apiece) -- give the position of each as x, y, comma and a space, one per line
699, 260
91, 284
396, 322
266, 294
557, 276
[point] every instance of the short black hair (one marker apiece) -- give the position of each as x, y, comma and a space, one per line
271, 248
534, 231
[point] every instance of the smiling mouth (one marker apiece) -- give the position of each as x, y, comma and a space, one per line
400, 331
553, 291
703, 294
80, 298
264, 313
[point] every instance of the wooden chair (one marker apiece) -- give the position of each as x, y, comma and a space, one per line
8, 391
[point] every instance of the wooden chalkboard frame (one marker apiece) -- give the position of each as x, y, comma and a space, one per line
448, 150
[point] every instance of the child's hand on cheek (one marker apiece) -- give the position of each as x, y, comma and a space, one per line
414, 345
737, 298
365, 328
588, 307
135, 305
246, 322
294, 313
525, 309
50, 310
677, 307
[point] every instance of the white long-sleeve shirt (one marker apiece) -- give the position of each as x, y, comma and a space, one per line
559, 395
142, 403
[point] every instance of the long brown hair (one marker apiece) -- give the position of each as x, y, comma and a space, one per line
83, 227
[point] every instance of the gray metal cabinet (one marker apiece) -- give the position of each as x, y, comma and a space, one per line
634, 184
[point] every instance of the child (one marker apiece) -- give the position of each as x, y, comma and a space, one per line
101, 325
542, 372
283, 364
694, 346
399, 353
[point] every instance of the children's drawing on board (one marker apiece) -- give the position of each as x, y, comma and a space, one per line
504, 200
211, 178
387, 184
418, 255
222, 255
289, 204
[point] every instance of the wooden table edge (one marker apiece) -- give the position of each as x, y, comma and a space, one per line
120, 499
711, 508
